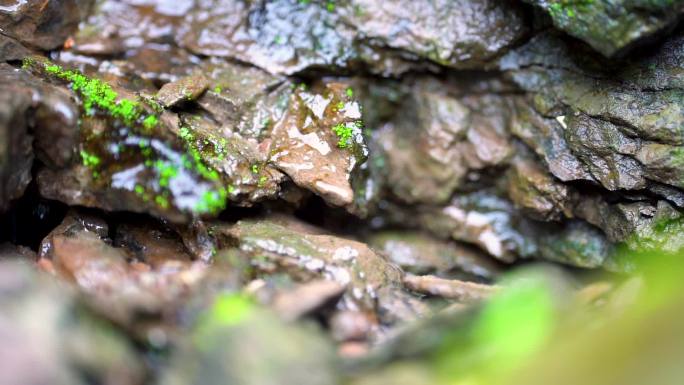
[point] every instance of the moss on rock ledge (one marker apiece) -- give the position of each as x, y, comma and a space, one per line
132, 157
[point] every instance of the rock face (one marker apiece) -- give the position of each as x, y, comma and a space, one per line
233, 144
318, 143
497, 160
615, 125
419, 253
222, 180
442, 136
371, 280
34, 114
44, 25
459, 34
288, 36
143, 269
612, 27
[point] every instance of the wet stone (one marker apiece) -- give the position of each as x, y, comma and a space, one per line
369, 278
186, 89
12, 50
10, 251
251, 98
591, 124
461, 291
284, 36
288, 36
307, 298
44, 25
51, 132
612, 27
442, 137
459, 34
144, 269
113, 26
319, 144
537, 193
576, 243
132, 155
493, 224
546, 138
351, 326
420, 253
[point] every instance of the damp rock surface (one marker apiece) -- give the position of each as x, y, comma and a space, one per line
612, 27
333, 192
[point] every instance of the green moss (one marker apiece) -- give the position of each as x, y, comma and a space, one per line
161, 201
131, 123
150, 122
89, 160
27, 63
344, 132
569, 8
167, 171
95, 94
212, 201
350, 92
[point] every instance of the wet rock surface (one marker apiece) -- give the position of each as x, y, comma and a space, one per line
289, 36
420, 253
43, 24
460, 34
142, 269
38, 121
612, 27
371, 281
322, 192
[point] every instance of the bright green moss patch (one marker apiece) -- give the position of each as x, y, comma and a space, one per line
89, 160
212, 201
167, 171
345, 133
150, 122
96, 94
162, 201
